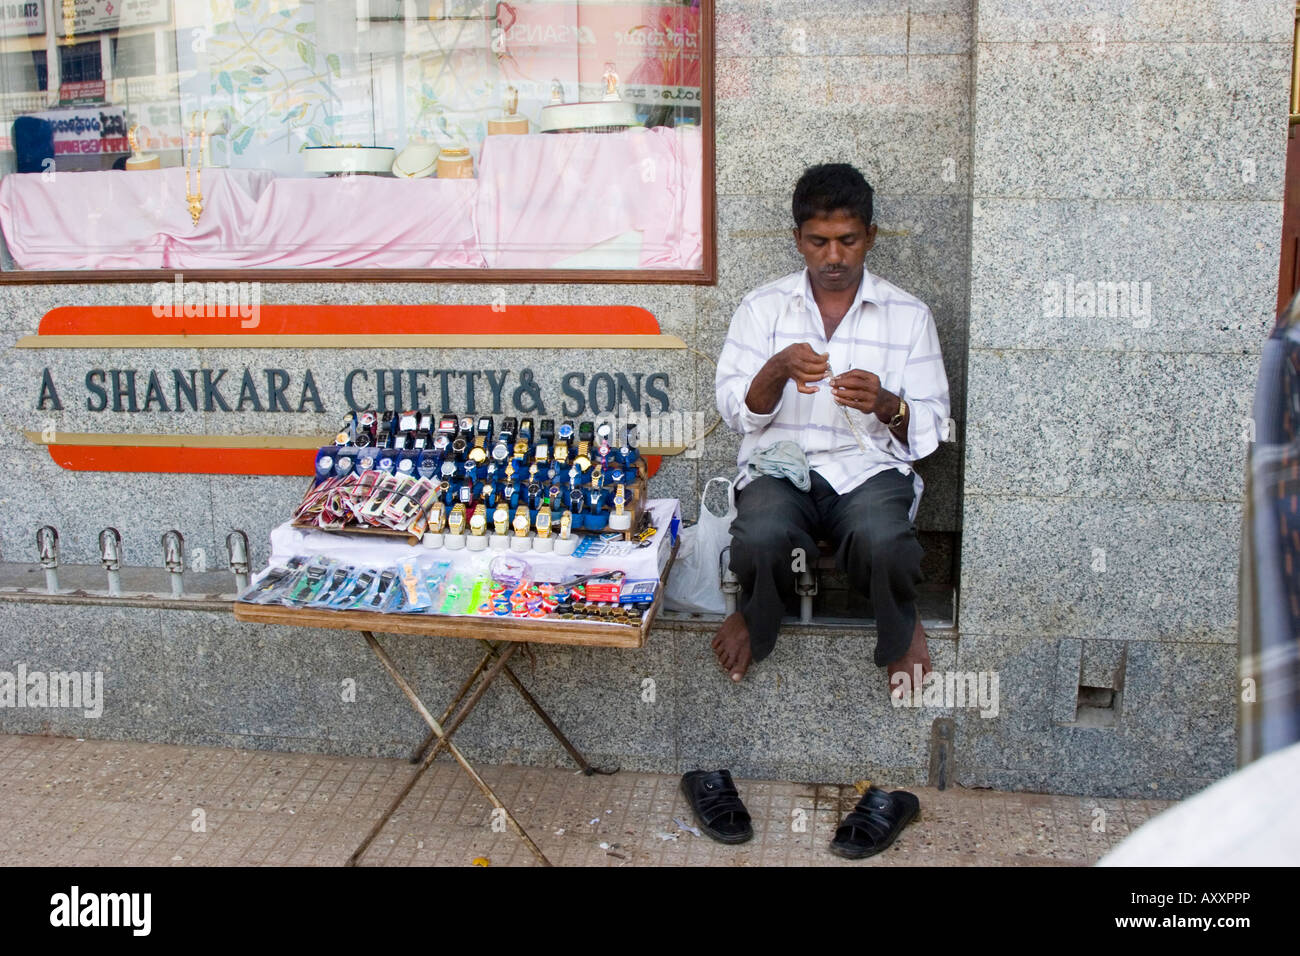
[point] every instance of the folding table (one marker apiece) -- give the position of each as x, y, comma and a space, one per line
501, 638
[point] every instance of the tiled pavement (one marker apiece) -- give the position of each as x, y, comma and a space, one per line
87, 803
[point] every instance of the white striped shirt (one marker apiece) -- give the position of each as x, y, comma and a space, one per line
886, 331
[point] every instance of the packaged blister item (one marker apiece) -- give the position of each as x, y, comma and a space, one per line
414, 595
274, 583
336, 579
356, 588
381, 594
308, 584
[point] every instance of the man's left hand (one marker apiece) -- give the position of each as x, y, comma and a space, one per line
862, 390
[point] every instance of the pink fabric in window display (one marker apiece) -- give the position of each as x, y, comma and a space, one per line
139, 220
358, 221
119, 220
544, 198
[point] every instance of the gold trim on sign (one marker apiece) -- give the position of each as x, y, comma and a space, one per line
269, 442
378, 341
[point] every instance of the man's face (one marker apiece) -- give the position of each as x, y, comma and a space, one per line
834, 245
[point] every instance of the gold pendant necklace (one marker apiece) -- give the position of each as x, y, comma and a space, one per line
195, 138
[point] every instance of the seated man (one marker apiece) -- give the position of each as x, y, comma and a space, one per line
846, 366
835, 379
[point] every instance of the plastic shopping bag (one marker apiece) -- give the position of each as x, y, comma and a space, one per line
694, 584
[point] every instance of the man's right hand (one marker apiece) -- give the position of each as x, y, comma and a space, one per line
797, 363
801, 364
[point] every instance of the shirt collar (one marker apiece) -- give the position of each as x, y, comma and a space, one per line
802, 291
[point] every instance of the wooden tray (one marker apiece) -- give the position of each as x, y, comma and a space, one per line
531, 630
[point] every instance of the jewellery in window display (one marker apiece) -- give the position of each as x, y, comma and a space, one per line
417, 161
455, 162
510, 122
196, 142
137, 159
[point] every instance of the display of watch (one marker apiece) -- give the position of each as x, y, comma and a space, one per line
456, 522
566, 524
619, 500
501, 519
544, 521
477, 522
437, 515
521, 521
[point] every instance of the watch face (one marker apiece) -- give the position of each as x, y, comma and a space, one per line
604, 433
586, 432
541, 451
448, 469
485, 426
500, 452
447, 425
440, 443
467, 425
565, 432
477, 455
477, 523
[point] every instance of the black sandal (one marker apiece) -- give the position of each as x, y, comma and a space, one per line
874, 823
717, 807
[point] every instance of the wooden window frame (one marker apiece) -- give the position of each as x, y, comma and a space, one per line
707, 274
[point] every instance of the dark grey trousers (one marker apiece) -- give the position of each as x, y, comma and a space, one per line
875, 545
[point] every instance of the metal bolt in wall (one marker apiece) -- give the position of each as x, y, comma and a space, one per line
110, 556
47, 546
237, 551
173, 545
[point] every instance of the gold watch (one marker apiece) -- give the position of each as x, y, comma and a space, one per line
901, 416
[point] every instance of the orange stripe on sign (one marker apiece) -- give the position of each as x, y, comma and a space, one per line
358, 319
202, 461
188, 461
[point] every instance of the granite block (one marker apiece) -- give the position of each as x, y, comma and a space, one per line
1102, 664
227, 676
1181, 700
1102, 569
1065, 691
1132, 758
901, 149
1118, 21
121, 645
1130, 121
817, 709
1203, 273
1044, 423
832, 28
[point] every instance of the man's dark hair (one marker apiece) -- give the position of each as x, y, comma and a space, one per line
829, 188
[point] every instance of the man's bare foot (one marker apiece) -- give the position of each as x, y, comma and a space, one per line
902, 672
731, 646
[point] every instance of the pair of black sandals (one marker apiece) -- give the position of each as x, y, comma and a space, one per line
870, 828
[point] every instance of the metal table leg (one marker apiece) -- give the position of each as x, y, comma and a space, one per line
444, 740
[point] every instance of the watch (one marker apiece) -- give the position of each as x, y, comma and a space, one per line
456, 523
566, 524
501, 519
521, 521
902, 414
544, 521
477, 522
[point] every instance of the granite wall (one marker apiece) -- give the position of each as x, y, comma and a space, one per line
1135, 142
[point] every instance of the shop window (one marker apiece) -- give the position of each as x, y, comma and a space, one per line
407, 138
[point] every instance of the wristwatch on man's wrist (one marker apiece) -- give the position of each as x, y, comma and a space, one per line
901, 415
